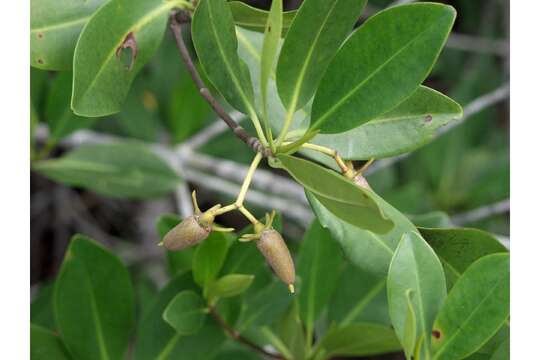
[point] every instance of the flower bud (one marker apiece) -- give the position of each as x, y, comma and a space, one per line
274, 249
188, 233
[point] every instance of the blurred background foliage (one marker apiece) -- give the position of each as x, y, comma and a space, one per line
462, 170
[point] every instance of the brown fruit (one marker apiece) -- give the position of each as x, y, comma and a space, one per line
274, 249
188, 233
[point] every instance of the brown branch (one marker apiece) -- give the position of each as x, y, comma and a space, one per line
176, 20
236, 336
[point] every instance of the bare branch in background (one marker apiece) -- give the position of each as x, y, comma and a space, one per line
482, 213
478, 44
401, 2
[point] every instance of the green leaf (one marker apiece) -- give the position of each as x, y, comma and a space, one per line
101, 78
369, 251
432, 219
290, 331
54, 28
186, 312
340, 195
316, 33
139, 118
408, 126
255, 19
271, 43
250, 46
319, 266
459, 248
157, 340
230, 285
209, 258
416, 268
409, 329
359, 297
122, 169
60, 118
215, 41
359, 340
265, 306
475, 309
380, 65
93, 302
177, 260
45, 345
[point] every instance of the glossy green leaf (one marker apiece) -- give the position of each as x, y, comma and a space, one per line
359, 297
380, 65
432, 219
409, 329
94, 302
230, 285
157, 340
359, 340
45, 345
55, 26
475, 309
215, 41
408, 126
250, 46
102, 69
317, 31
415, 267
139, 118
271, 44
265, 306
340, 195
60, 118
290, 331
186, 312
255, 19
123, 169
209, 258
178, 261
319, 266
494, 346
369, 251
458, 248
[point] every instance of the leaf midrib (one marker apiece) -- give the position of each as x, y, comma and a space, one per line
95, 316
235, 80
362, 304
62, 25
298, 85
169, 347
370, 76
253, 51
459, 330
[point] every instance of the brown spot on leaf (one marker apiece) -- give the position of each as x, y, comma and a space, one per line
428, 119
131, 43
40, 35
40, 61
436, 334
